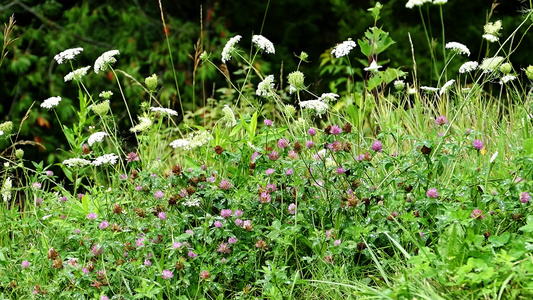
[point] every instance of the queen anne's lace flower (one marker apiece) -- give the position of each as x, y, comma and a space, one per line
328, 97
180, 143
229, 117
106, 159
194, 140
68, 54
318, 106
77, 74
446, 86
507, 78
229, 48
166, 111
144, 124
343, 48
468, 66
491, 63
51, 102
6, 189
264, 44
373, 67
106, 59
192, 202
76, 162
96, 137
491, 38
440, 2
429, 89
265, 87
413, 3
458, 47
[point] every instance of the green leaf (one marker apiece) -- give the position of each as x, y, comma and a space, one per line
374, 82
253, 126
528, 146
451, 243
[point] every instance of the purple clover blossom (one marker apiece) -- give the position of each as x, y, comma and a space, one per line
162, 216
289, 172
274, 155
123, 177
176, 245
265, 197
340, 170
80, 196
167, 274
477, 214
232, 240
139, 242
191, 254
97, 250
283, 143
441, 120
76, 231
39, 202
239, 222
337, 242
309, 144
49, 173
218, 224
224, 248
292, 208
36, 185
271, 187
269, 171
432, 193
311, 131
225, 213
92, 216
377, 146
268, 122
147, 263
477, 144
25, 264
189, 232
254, 156
103, 225
104, 297
138, 188
238, 213
159, 194
224, 184
292, 154
132, 156
336, 130
525, 197
64, 199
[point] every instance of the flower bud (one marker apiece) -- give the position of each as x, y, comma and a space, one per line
506, 68
101, 109
151, 82
529, 73
296, 79
6, 127
19, 153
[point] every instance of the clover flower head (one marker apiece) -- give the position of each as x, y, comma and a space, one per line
96, 137
105, 60
477, 144
229, 48
167, 274
68, 54
343, 48
441, 120
377, 146
432, 193
525, 197
51, 102
264, 44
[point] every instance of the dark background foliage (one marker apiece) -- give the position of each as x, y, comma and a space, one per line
45, 28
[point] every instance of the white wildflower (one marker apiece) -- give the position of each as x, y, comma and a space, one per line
493, 28
411, 91
264, 44
229, 48
68, 54
106, 159
180, 143
265, 87
144, 124
96, 137
468, 66
194, 140
6, 189
413, 3
51, 102
446, 86
229, 117
328, 97
343, 48
166, 111
1, 133
317, 105
76, 162
491, 38
106, 59
507, 78
429, 89
439, 2
373, 67
493, 158
458, 47
399, 85
77, 74
192, 202
106, 94
491, 63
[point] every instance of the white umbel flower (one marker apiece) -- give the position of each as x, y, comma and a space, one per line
96, 137
318, 106
439, 2
446, 86
490, 64
68, 54
77, 74
493, 158
373, 67
265, 87
106, 59
229, 48
429, 89
458, 47
105, 159
166, 111
468, 66
343, 48
51, 102
264, 44
229, 117
328, 97
144, 124
491, 38
413, 3
507, 78
180, 143
76, 162
6, 189
1, 133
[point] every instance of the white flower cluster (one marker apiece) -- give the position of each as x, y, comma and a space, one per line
429, 89
507, 78
76, 162
328, 97
264, 44
77, 74
458, 47
490, 64
166, 111
229, 117
446, 86
343, 48
492, 31
144, 124
318, 106
229, 48
413, 3
105, 94
265, 87
106, 59
51, 102
68, 54
190, 202
6, 189
1, 132
468, 66
96, 137
193, 141
105, 159
373, 67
